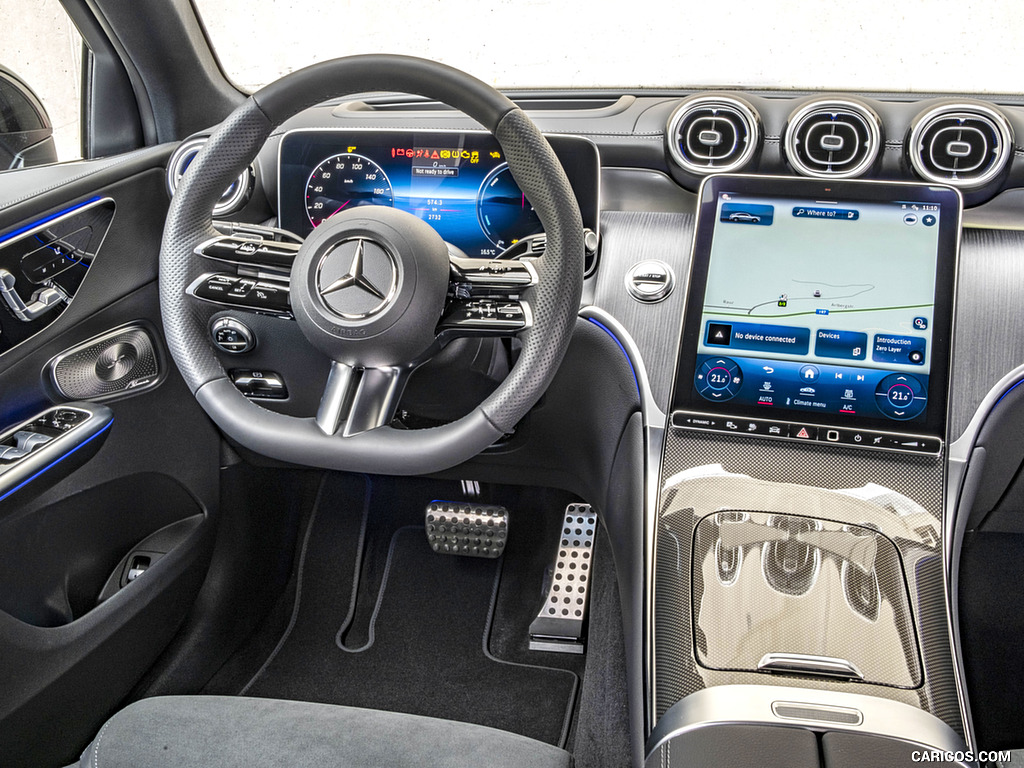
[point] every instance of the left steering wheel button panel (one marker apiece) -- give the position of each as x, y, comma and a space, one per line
266, 296
249, 251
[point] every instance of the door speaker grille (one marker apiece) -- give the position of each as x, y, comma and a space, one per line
119, 361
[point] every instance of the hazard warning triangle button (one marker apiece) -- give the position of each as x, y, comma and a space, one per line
803, 434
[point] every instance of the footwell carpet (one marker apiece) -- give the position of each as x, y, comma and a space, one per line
381, 621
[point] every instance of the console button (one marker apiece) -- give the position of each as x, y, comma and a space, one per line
900, 396
695, 421
9, 453
803, 432
915, 444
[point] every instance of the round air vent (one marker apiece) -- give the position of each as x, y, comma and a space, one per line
833, 139
965, 145
713, 134
234, 197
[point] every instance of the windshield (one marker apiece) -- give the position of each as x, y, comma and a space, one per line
944, 46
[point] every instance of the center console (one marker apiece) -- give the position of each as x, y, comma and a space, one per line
798, 601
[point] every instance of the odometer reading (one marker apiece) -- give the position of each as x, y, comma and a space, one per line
345, 181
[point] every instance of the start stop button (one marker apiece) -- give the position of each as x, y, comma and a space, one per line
650, 281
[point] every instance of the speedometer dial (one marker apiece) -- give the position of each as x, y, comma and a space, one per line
504, 212
345, 181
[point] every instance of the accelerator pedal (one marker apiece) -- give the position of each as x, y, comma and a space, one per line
471, 530
559, 625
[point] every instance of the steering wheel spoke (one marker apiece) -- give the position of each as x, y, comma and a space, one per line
356, 400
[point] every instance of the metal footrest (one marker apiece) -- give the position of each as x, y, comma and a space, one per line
472, 530
559, 625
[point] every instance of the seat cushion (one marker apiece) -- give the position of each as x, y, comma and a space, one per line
236, 732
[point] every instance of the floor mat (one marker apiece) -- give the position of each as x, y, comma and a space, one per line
423, 649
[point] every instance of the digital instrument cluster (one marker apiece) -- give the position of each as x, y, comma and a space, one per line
458, 182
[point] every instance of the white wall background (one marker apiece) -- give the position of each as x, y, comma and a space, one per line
885, 45
897, 45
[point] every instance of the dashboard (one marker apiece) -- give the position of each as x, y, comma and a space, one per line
637, 161
783, 272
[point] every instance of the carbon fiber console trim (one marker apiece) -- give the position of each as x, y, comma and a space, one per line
900, 496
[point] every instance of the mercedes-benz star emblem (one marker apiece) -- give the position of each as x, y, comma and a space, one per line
357, 278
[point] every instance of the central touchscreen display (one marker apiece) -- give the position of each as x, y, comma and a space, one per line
825, 303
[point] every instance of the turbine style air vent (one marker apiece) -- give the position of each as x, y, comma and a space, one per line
713, 134
234, 197
833, 139
965, 145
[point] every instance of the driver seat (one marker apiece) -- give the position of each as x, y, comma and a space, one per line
238, 732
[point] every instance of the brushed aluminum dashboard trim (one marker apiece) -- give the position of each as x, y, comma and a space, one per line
654, 423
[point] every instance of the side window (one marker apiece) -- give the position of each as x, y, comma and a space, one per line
40, 84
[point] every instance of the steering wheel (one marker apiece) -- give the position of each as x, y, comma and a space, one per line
369, 286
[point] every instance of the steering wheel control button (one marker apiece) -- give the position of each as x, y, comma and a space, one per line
216, 287
900, 396
244, 292
232, 336
718, 379
509, 275
471, 530
650, 281
259, 385
249, 251
485, 317
240, 290
357, 278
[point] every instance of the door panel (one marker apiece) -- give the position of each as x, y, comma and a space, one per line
75, 634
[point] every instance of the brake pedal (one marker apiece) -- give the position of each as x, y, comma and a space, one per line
471, 530
559, 625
